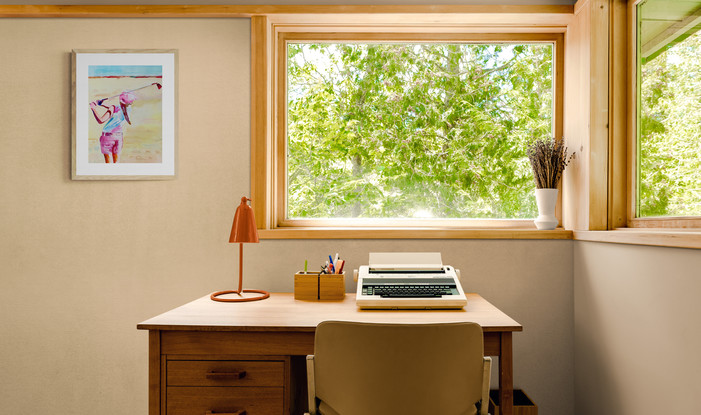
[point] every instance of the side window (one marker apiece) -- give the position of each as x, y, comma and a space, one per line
669, 109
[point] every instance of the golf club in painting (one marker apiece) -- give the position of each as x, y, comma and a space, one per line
159, 86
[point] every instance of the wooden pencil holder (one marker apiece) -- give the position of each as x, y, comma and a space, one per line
332, 287
306, 286
319, 287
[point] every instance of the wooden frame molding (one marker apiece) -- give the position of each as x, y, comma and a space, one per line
629, 13
269, 173
411, 233
618, 114
620, 56
261, 155
585, 182
48, 11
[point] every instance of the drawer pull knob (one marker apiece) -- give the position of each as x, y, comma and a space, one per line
242, 412
236, 374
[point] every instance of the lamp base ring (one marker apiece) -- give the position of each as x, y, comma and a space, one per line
263, 296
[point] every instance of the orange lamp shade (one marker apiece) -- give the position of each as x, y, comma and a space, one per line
244, 228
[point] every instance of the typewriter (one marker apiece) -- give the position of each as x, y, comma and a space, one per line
408, 280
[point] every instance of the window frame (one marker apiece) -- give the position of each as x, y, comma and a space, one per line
271, 185
633, 221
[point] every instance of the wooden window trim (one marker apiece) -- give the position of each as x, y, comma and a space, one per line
622, 226
547, 13
677, 238
268, 182
654, 224
411, 233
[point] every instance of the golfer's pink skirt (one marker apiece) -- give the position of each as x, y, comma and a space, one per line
111, 143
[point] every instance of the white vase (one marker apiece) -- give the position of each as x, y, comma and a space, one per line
546, 200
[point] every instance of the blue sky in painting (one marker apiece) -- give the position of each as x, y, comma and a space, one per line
125, 70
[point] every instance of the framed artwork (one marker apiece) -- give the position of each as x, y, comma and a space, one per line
124, 114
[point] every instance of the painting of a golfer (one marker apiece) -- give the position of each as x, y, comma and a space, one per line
124, 114
127, 107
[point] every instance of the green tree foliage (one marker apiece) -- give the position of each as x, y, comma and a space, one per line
670, 131
415, 130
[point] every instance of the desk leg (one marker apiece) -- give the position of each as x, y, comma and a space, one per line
506, 375
154, 372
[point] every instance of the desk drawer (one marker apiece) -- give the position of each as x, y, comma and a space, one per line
225, 373
224, 400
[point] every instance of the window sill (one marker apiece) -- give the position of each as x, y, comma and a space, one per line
677, 238
411, 233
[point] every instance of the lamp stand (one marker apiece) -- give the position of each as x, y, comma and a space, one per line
263, 296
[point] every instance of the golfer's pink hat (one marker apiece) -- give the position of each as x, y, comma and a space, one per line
126, 98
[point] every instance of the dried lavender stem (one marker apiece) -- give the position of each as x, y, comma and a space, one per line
548, 159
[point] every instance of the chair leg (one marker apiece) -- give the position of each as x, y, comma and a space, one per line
486, 378
311, 388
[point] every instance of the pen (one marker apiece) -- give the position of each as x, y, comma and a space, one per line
305, 266
335, 261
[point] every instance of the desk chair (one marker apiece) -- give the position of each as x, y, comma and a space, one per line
403, 369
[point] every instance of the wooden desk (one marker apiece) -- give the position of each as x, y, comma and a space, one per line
205, 343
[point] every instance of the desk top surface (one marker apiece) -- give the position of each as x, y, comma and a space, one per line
281, 312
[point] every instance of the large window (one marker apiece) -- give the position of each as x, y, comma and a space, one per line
669, 109
400, 131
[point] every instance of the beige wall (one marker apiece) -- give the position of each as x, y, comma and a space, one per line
637, 336
81, 263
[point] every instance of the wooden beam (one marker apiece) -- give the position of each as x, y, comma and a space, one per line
260, 128
586, 181
599, 61
575, 183
253, 10
632, 116
618, 115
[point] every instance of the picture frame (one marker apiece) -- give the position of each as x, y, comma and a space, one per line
124, 114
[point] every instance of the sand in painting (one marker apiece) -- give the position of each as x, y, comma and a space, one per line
143, 139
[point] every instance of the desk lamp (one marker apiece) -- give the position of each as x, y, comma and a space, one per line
243, 231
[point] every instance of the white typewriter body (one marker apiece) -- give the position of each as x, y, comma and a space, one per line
408, 280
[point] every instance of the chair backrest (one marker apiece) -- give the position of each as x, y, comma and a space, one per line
363, 368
